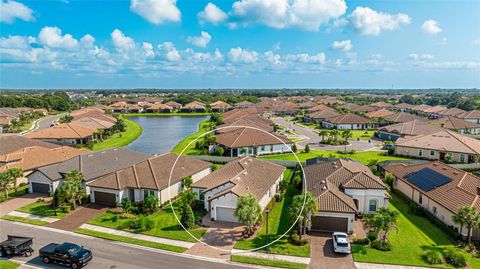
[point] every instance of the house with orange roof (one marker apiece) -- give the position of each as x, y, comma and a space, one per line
194, 106
65, 134
220, 106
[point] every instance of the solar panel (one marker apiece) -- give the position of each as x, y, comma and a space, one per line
427, 179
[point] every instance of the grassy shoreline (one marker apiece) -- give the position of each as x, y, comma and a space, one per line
132, 132
202, 128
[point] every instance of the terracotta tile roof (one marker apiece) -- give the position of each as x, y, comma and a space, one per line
10, 143
461, 191
323, 114
244, 104
403, 106
401, 117
34, 157
364, 108
409, 128
255, 122
159, 106
152, 173
4, 120
381, 104
349, 106
63, 131
444, 141
194, 105
173, 104
246, 137
118, 105
234, 114
434, 109
454, 123
474, 114
249, 176
451, 111
327, 100
349, 118
379, 113
326, 180
319, 108
94, 123
100, 115
308, 104
421, 107
220, 105
86, 110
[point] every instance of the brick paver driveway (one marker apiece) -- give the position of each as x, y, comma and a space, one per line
10, 205
323, 257
78, 217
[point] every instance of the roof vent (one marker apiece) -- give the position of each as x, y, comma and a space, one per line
435, 164
90, 155
456, 173
116, 158
444, 168
245, 173
323, 181
324, 187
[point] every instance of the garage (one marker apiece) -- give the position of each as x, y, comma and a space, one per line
105, 198
40, 187
225, 214
331, 224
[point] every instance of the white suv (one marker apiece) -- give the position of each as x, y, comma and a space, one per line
340, 243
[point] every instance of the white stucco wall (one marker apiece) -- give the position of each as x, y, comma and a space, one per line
429, 154
210, 193
364, 197
170, 192
229, 200
197, 176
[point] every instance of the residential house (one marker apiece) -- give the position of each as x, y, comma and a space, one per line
244, 104
220, 106
65, 134
253, 121
307, 105
319, 108
379, 113
194, 106
454, 111
439, 188
403, 107
406, 129
320, 116
458, 125
221, 189
381, 105
4, 121
471, 116
349, 107
400, 117
174, 105
443, 145
94, 123
11, 143
364, 109
348, 121
343, 189
159, 108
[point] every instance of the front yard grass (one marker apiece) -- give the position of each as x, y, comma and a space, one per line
132, 131
415, 235
266, 262
43, 209
278, 224
202, 128
130, 240
6, 264
25, 220
361, 156
362, 134
166, 225
11, 193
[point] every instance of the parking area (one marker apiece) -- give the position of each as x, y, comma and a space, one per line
322, 255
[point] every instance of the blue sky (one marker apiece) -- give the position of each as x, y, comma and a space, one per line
239, 44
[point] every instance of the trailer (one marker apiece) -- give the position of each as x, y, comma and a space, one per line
16, 245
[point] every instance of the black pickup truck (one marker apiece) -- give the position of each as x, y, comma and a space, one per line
66, 253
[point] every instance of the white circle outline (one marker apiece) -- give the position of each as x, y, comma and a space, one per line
226, 127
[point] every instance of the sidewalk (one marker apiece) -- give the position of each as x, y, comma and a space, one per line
138, 236
362, 265
266, 256
31, 216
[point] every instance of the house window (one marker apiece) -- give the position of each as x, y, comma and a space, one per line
462, 158
432, 152
434, 209
202, 196
271, 148
420, 198
372, 206
262, 148
420, 152
147, 193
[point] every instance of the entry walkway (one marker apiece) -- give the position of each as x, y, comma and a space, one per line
78, 217
276, 257
32, 216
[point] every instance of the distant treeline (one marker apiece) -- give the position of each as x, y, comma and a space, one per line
58, 101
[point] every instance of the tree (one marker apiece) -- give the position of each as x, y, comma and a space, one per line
294, 148
5, 180
66, 119
309, 204
150, 204
335, 134
468, 216
219, 151
15, 173
187, 196
372, 163
389, 180
307, 149
187, 217
323, 133
384, 221
187, 182
72, 190
127, 205
347, 134
248, 212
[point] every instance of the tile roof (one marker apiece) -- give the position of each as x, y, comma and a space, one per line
220, 105
173, 104
401, 117
244, 104
349, 118
409, 128
454, 123
91, 122
194, 105
319, 108
381, 104
379, 113
323, 114
254, 122
247, 137
461, 191
11, 143
152, 173
364, 108
403, 106
249, 176
434, 109
349, 106
63, 131
159, 106
451, 111
474, 114
97, 114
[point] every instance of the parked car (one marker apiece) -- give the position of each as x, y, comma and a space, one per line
16, 245
67, 254
340, 243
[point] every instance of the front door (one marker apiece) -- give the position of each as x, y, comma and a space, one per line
442, 156
131, 195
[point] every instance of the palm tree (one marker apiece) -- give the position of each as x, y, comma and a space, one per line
5, 180
323, 133
310, 206
384, 220
248, 212
346, 135
72, 190
470, 217
15, 173
335, 134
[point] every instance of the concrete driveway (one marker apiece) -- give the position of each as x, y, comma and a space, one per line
12, 204
78, 217
323, 257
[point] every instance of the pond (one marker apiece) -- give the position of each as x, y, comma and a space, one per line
161, 134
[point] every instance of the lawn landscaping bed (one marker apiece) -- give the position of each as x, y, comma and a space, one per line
132, 131
130, 240
5, 264
203, 127
22, 190
43, 209
25, 220
415, 236
265, 262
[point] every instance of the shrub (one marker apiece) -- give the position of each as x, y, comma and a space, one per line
187, 217
126, 216
433, 257
361, 241
40, 200
126, 205
372, 235
145, 223
219, 151
307, 149
278, 197
417, 210
455, 257
114, 211
383, 246
295, 239
150, 205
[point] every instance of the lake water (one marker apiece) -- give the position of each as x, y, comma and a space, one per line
161, 134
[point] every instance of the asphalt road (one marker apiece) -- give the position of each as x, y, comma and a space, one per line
106, 254
47, 121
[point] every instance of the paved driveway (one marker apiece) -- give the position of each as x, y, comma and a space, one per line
10, 205
78, 217
323, 257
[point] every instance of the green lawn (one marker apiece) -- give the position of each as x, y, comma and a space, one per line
415, 235
202, 128
182, 114
132, 132
166, 225
6, 264
25, 220
130, 240
278, 224
361, 156
11, 194
362, 134
265, 262
42, 209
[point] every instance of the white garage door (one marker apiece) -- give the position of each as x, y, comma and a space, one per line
225, 214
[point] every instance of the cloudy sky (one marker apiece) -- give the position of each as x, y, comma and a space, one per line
239, 44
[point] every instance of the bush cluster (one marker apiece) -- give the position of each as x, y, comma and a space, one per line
383, 246
295, 239
361, 241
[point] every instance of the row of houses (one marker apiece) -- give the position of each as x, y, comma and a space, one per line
172, 106
9, 114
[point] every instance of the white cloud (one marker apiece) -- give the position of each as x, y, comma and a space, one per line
420, 57
87, 41
318, 58
272, 57
200, 41
52, 37
370, 22
242, 55
156, 11
148, 49
303, 14
121, 42
11, 10
431, 27
212, 14
345, 45
169, 51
